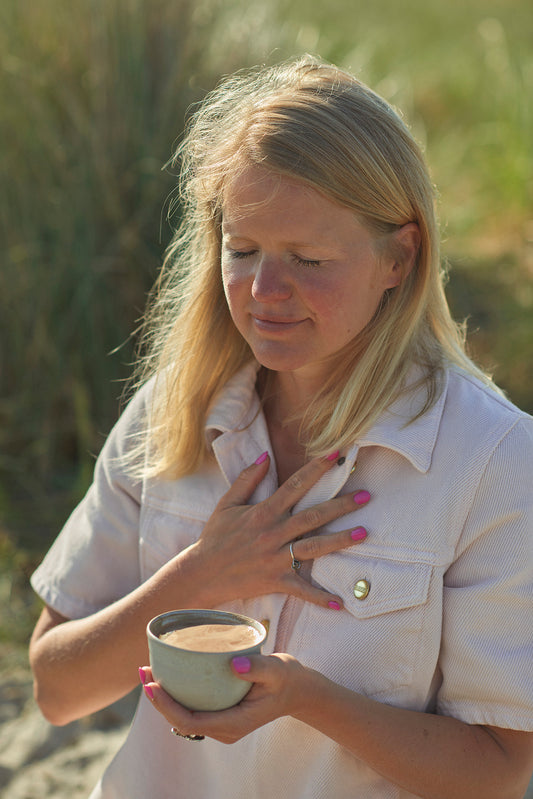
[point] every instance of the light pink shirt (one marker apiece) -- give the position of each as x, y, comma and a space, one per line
447, 624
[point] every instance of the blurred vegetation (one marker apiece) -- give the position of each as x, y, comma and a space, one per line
94, 93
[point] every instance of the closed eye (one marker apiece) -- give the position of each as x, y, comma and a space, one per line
305, 261
241, 253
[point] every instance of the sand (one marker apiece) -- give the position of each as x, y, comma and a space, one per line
40, 761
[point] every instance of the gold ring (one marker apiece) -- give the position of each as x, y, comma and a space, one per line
175, 731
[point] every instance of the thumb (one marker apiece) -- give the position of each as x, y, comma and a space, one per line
279, 682
250, 667
242, 667
261, 668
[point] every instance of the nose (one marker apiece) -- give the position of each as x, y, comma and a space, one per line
271, 281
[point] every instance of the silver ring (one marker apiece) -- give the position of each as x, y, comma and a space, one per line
296, 564
175, 731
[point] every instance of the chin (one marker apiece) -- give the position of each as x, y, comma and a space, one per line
281, 362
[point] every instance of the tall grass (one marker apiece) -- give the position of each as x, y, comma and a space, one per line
92, 95
91, 98
463, 73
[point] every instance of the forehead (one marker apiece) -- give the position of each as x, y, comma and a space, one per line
258, 196
255, 187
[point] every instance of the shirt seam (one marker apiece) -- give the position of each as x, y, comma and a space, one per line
476, 488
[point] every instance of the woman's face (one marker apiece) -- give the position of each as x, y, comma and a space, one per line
300, 273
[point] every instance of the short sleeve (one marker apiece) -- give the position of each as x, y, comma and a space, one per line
487, 640
95, 559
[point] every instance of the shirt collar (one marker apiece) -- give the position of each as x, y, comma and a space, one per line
238, 404
415, 440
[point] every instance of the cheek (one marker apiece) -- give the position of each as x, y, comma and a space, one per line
229, 280
344, 311
235, 275
235, 291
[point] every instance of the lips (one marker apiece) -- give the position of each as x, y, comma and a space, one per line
273, 323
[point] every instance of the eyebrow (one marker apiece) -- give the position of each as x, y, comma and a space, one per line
317, 247
228, 231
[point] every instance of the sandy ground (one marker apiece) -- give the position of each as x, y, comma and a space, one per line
39, 761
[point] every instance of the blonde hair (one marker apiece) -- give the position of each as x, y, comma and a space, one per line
315, 123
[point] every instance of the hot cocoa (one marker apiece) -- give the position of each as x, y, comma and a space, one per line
213, 637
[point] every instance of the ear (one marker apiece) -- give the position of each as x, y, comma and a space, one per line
404, 246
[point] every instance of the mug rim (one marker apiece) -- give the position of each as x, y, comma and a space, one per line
223, 616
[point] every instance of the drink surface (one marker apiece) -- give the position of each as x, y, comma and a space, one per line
213, 637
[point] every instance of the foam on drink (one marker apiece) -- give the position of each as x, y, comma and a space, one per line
213, 637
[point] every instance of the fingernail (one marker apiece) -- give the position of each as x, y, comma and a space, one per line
333, 456
358, 534
148, 691
241, 665
262, 458
142, 675
361, 498
334, 605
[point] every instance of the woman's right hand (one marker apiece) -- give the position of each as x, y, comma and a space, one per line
244, 549
243, 552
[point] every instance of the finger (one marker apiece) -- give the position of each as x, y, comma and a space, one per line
145, 674
212, 724
318, 515
318, 545
260, 669
299, 483
246, 483
176, 715
301, 589
241, 666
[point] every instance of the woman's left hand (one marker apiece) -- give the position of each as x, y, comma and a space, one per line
407, 747
278, 689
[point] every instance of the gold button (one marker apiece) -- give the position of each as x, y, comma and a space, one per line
361, 589
352, 470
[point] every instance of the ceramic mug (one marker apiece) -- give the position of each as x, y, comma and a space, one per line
199, 680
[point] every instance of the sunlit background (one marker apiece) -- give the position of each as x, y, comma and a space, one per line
93, 96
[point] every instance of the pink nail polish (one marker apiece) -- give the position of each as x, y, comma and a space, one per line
142, 675
333, 456
334, 605
241, 665
362, 497
148, 691
358, 534
262, 458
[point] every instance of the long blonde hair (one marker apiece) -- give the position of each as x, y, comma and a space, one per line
318, 124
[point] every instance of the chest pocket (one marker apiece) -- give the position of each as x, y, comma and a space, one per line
173, 516
374, 644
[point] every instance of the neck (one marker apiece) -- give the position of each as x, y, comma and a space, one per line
285, 402
289, 395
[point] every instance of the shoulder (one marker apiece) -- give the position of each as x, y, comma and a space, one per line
136, 408
124, 450
134, 417
480, 414
485, 444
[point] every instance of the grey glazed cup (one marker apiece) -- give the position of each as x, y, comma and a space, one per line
199, 680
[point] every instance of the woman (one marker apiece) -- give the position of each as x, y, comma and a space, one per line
311, 446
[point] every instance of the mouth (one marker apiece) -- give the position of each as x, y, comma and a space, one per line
275, 324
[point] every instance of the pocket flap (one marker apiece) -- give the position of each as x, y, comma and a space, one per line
395, 581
